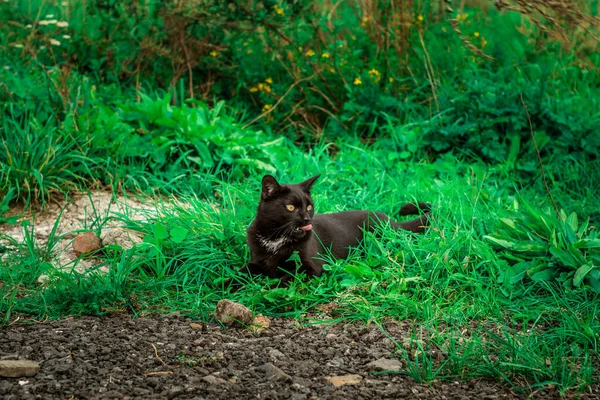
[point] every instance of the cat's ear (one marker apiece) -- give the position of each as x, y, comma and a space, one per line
269, 187
308, 184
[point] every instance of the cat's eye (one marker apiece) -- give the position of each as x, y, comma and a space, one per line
290, 207
309, 207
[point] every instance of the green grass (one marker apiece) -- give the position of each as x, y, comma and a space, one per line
448, 281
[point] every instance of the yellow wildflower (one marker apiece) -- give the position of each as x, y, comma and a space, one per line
476, 34
267, 107
325, 55
254, 89
375, 75
420, 18
278, 10
357, 81
331, 69
269, 80
310, 53
214, 53
391, 79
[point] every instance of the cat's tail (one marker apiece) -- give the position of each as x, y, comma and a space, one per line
416, 225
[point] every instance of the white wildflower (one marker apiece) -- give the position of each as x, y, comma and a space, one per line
66, 37
17, 45
28, 26
43, 22
62, 24
50, 16
54, 42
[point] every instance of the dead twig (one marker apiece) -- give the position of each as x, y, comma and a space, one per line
537, 150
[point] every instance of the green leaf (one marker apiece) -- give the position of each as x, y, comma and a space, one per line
572, 222
544, 275
500, 242
178, 234
594, 279
516, 273
581, 273
160, 232
359, 272
587, 244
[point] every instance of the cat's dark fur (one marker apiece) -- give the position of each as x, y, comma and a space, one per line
277, 232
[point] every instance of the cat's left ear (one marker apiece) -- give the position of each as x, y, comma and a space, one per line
308, 184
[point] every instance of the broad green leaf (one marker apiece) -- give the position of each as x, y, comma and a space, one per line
544, 275
178, 234
160, 232
581, 273
509, 222
565, 257
500, 242
594, 279
516, 273
587, 244
530, 248
573, 222
359, 272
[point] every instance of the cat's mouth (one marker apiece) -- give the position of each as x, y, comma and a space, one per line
305, 228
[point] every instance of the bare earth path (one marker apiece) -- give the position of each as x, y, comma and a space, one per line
114, 357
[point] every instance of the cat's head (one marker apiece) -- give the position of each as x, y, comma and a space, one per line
287, 208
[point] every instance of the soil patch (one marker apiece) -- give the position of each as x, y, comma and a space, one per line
158, 357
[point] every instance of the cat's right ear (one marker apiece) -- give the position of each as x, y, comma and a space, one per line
270, 187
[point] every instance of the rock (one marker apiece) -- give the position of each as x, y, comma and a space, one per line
213, 380
18, 368
384, 364
175, 391
276, 354
342, 380
86, 243
229, 313
259, 323
197, 327
274, 373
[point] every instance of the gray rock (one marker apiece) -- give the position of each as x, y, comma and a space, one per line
213, 380
384, 364
229, 313
18, 368
274, 373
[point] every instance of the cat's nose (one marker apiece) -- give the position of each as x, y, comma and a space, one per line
305, 219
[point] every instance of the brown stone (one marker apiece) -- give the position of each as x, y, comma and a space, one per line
259, 323
229, 313
18, 368
342, 380
86, 243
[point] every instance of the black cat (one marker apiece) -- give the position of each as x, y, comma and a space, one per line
286, 222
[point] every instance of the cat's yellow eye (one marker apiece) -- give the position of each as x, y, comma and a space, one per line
309, 207
290, 207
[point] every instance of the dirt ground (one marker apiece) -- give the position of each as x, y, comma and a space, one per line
81, 213
154, 357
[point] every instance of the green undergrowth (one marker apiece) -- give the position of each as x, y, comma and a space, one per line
475, 310
188, 109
